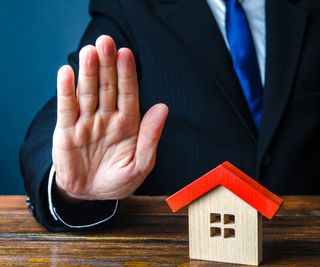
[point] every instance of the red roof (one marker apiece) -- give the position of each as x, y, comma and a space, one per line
237, 182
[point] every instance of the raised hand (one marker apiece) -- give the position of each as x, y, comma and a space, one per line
101, 148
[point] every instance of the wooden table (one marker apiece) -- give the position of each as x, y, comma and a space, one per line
146, 233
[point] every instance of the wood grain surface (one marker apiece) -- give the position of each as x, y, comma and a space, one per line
147, 233
244, 247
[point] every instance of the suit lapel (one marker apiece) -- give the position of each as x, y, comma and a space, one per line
195, 26
285, 30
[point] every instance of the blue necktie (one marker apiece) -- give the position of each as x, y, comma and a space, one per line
244, 57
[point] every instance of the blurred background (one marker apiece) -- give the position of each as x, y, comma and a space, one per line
35, 39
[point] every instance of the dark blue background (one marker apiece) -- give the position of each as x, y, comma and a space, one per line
36, 37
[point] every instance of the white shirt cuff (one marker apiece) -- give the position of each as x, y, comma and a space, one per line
55, 214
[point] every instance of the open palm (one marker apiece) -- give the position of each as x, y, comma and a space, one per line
101, 148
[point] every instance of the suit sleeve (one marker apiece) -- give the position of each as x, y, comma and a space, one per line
35, 153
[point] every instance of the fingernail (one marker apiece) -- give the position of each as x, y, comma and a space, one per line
125, 59
106, 45
88, 58
107, 50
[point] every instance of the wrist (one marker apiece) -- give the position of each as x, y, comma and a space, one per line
62, 194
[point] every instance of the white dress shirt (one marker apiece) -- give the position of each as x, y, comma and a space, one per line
255, 11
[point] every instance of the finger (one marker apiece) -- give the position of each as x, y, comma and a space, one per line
88, 81
66, 100
149, 135
128, 99
107, 73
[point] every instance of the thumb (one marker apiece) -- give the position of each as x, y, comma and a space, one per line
150, 132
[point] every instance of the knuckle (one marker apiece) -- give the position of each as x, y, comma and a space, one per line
87, 73
87, 113
67, 111
107, 86
87, 94
127, 94
127, 77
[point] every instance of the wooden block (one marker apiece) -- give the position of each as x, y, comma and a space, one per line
223, 227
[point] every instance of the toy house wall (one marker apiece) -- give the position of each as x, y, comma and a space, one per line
246, 245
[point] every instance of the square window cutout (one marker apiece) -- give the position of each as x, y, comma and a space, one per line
228, 218
215, 217
228, 232
215, 231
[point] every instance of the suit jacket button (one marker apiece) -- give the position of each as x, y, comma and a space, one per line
266, 160
30, 207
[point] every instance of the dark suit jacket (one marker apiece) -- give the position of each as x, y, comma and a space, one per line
183, 62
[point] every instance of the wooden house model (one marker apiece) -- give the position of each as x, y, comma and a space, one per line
225, 207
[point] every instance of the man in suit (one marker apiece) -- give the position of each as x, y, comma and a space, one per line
96, 151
